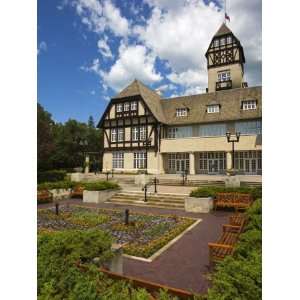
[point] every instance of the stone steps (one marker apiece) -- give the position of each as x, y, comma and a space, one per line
175, 201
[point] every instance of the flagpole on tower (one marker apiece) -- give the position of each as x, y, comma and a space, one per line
225, 12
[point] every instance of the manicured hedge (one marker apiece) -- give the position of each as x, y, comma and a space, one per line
213, 190
51, 176
240, 276
66, 184
100, 185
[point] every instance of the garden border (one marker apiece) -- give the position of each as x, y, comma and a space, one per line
165, 247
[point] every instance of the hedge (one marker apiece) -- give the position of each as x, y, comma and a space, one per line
51, 176
59, 276
66, 184
240, 276
100, 185
211, 191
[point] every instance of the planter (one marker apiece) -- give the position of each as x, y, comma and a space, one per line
198, 205
60, 193
232, 181
98, 196
77, 177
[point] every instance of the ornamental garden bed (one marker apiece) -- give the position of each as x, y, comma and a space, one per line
143, 236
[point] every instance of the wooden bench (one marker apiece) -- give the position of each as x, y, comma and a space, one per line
232, 200
44, 196
77, 192
224, 245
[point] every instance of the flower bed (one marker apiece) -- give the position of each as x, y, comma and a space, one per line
143, 236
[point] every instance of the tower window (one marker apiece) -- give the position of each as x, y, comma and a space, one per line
249, 104
216, 43
215, 108
134, 105
126, 106
222, 41
181, 112
224, 76
229, 39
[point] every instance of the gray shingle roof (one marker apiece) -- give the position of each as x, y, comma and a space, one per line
229, 100
165, 109
223, 30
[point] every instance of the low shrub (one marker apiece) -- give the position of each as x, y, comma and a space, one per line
51, 176
65, 184
213, 190
100, 186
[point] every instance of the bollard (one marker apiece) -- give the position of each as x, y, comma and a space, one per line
56, 208
107, 175
145, 190
112, 173
126, 216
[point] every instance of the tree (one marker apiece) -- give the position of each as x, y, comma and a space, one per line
45, 141
91, 122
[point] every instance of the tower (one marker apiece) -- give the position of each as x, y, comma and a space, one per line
225, 61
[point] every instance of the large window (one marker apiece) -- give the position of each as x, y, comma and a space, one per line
248, 162
139, 133
139, 160
134, 105
212, 162
248, 127
181, 112
212, 130
178, 162
118, 160
249, 104
126, 106
113, 135
120, 134
224, 75
179, 132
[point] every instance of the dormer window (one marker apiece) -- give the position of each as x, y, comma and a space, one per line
119, 107
215, 108
249, 104
181, 112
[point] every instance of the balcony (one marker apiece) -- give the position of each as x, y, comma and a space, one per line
223, 85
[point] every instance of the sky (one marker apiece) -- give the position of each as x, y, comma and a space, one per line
89, 50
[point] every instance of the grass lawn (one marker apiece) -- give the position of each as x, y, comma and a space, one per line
144, 235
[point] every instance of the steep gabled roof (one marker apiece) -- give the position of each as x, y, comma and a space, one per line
223, 30
151, 98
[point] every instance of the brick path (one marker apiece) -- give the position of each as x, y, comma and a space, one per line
185, 264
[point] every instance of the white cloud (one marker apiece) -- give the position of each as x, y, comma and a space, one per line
189, 78
99, 16
104, 48
94, 67
42, 47
134, 62
180, 32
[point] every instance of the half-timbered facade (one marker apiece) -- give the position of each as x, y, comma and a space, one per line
144, 131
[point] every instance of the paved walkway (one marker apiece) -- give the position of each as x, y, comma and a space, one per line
185, 264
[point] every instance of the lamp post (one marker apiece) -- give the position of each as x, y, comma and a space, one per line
233, 138
146, 144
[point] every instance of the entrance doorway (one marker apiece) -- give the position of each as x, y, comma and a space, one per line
248, 162
212, 162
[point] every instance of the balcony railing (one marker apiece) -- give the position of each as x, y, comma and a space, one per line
223, 85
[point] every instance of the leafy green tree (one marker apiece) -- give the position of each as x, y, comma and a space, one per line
45, 141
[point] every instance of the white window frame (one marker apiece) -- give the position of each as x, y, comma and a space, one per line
135, 133
181, 112
126, 106
120, 134
133, 105
171, 133
249, 104
118, 160
214, 108
222, 41
229, 39
139, 160
119, 107
224, 76
216, 43
113, 134
143, 133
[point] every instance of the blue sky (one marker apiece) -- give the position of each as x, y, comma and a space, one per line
89, 49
